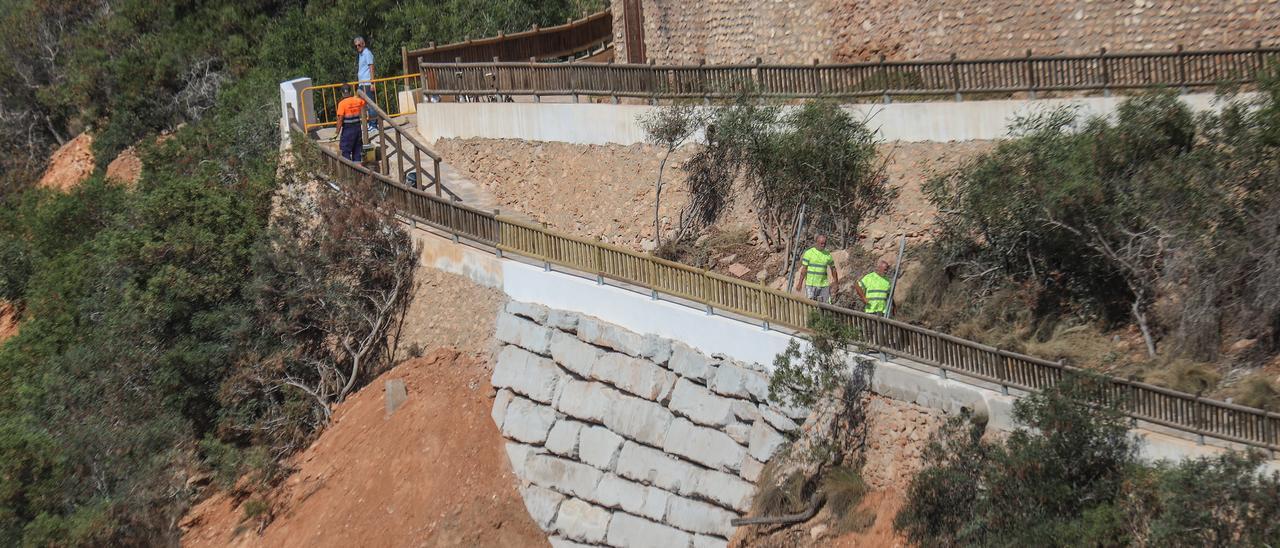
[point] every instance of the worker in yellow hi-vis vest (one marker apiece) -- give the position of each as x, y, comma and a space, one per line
873, 289
819, 271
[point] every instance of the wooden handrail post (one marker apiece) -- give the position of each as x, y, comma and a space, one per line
439, 183
1030, 76
955, 76
756, 77
383, 162
1257, 55
1182, 69
884, 79
399, 158
1106, 72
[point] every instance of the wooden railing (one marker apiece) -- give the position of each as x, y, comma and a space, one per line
565, 40
1030, 74
404, 152
1162, 406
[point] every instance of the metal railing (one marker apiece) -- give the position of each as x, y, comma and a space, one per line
1153, 404
395, 95
1031, 74
569, 39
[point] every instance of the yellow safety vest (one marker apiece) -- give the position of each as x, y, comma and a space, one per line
816, 263
876, 289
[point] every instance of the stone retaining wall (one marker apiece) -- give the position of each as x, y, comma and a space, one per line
738, 31
623, 439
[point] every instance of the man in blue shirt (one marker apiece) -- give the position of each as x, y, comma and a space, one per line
364, 74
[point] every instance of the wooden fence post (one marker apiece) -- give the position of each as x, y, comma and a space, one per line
1106, 72
1257, 55
955, 76
1182, 69
884, 80
756, 78
1030, 76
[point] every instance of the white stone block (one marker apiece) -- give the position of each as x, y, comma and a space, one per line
732, 380
705, 446
563, 438
535, 312
739, 432
518, 456
528, 422
527, 374
706, 541
697, 517
588, 401
579, 520
639, 420
563, 320
629, 531
765, 441
690, 363
596, 332
543, 504
647, 465
751, 469
776, 419
701, 406
561, 542
655, 504
523, 333
656, 348
500, 403
726, 490
615, 492
746, 411
637, 376
599, 447
574, 354
565, 476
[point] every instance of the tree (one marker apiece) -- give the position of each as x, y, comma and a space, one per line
333, 281
668, 127
814, 158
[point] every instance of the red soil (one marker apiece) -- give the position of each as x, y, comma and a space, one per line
434, 473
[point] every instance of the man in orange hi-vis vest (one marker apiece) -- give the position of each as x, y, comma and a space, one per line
350, 142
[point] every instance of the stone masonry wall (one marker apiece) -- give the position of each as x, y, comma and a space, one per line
623, 439
798, 31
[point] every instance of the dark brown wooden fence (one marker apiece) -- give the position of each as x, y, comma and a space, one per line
1030, 74
565, 40
1162, 406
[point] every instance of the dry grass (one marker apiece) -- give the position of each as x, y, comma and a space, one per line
1256, 390
844, 489
1185, 375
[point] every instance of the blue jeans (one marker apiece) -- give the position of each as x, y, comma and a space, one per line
368, 110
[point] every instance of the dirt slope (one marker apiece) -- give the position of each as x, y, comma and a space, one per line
434, 473
8, 321
606, 191
70, 165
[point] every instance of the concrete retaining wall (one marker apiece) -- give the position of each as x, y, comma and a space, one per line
626, 439
596, 124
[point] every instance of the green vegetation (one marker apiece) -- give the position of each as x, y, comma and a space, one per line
1075, 226
814, 161
166, 327
1069, 476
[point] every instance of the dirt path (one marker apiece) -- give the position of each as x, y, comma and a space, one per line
434, 473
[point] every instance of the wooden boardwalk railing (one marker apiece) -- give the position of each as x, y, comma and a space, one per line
1162, 406
1030, 74
571, 38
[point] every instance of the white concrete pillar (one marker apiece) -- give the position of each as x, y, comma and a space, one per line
290, 92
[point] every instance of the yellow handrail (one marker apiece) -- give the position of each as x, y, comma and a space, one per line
320, 102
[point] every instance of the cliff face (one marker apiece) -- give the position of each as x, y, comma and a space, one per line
799, 31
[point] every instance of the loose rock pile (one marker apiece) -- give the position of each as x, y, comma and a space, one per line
629, 440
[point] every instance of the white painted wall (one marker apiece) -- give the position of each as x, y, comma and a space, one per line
596, 124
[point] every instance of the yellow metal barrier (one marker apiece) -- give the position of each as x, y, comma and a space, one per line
393, 94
